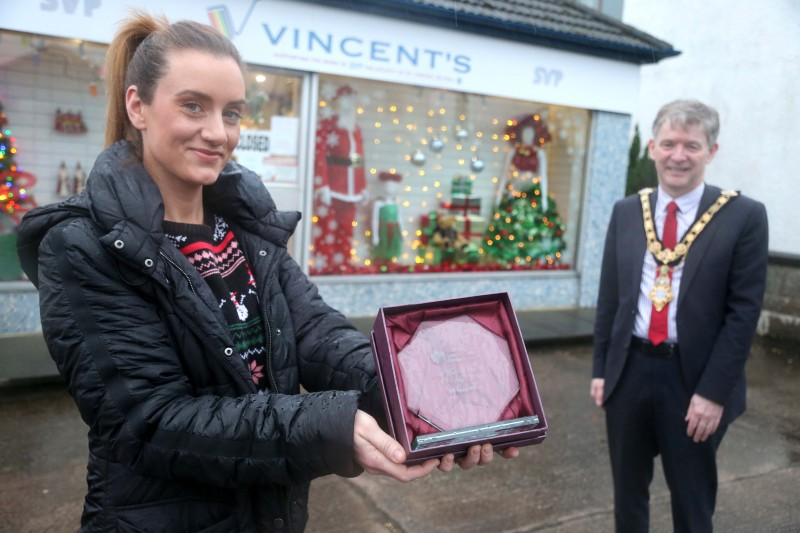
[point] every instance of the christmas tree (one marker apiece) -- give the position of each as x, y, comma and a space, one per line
14, 201
14, 198
523, 232
641, 169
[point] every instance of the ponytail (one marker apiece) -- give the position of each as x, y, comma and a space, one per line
131, 34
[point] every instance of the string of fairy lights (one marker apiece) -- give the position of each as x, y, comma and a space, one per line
429, 144
12, 195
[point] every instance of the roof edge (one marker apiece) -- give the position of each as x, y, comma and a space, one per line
470, 23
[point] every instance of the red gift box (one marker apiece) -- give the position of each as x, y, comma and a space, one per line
396, 336
465, 205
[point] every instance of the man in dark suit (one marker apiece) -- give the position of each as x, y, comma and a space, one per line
681, 289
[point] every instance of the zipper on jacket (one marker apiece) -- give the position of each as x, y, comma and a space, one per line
272, 382
265, 311
196, 330
185, 275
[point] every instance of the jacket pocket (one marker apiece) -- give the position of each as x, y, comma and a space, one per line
177, 516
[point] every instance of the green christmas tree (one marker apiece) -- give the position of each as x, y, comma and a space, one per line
14, 201
13, 195
641, 169
522, 232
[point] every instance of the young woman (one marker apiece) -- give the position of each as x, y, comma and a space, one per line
180, 323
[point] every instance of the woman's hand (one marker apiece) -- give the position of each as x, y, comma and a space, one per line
379, 454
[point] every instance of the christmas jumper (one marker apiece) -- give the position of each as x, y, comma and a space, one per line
214, 251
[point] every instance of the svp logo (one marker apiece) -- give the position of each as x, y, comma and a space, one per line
220, 18
70, 6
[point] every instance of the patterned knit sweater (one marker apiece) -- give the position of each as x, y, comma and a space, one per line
213, 250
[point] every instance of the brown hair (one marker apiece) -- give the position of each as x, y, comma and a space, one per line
138, 56
687, 113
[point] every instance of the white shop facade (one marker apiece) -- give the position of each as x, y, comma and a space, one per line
428, 163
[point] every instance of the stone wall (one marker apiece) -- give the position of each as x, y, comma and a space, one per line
780, 316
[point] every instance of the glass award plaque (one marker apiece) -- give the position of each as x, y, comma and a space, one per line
458, 374
455, 373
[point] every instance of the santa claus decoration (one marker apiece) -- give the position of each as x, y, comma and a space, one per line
339, 184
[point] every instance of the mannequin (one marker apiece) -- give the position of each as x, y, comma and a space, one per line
527, 160
63, 188
79, 179
387, 229
339, 181
524, 212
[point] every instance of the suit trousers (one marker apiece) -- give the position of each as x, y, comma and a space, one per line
645, 417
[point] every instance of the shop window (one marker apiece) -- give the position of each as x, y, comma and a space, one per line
269, 140
52, 119
416, 180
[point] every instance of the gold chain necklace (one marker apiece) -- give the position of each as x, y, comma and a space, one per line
661, 294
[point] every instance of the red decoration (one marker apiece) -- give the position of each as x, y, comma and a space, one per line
518, 124
70, 122
444, 267
339, 183
14, 196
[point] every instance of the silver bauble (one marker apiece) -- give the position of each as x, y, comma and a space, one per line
477, 164
418, 158
437, 145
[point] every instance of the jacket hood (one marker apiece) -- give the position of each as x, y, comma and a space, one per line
122, 199
35, 225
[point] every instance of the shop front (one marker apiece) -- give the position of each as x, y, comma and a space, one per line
428, 162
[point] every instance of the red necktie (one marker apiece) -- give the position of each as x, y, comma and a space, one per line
658, 319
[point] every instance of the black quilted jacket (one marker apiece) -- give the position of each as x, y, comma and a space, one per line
179, 438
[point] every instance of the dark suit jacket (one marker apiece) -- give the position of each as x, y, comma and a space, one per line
721, 292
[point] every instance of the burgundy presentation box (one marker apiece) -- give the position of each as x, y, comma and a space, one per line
455, 373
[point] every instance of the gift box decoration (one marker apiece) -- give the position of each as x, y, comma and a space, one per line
472, 227
464, 204
460, 186
432, 255
427, 224
456, 373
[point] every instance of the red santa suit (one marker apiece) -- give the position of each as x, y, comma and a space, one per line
340, 185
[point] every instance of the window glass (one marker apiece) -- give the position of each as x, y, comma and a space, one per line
269, 141
415, 180
269, 138
52, 125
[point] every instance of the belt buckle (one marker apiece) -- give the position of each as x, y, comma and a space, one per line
665, 349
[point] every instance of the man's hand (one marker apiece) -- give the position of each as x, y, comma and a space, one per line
477, 455
598, 384
379, 454
703, 418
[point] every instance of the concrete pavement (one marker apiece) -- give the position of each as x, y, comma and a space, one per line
560, 485
564, 484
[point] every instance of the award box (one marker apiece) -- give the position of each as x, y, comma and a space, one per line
455, 373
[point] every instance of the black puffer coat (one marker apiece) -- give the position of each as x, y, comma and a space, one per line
179, 438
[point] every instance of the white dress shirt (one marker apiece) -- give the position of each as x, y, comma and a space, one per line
688, 205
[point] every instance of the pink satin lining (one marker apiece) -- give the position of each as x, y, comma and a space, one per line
493, 316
